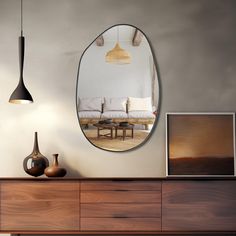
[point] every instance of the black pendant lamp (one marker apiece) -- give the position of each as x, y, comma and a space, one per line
21, 95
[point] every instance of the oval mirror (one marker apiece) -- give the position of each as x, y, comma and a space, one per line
118, 89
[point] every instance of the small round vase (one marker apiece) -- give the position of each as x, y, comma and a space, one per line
35, 163
55, 170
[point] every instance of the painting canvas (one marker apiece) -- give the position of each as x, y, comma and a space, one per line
200, 144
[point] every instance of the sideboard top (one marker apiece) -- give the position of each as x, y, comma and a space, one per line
120, 179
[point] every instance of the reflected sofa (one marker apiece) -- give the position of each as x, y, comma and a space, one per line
133, 110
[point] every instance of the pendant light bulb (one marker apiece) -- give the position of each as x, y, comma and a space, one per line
21, 95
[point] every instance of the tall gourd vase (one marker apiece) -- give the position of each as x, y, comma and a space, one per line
55, 170
35, 163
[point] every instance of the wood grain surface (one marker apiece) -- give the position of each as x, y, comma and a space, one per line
172, 206
120, 224
14, 190
120, 196
39, 206
199, 206
140, 210
105, 185
39, 215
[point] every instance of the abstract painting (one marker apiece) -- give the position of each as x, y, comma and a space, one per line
200, 143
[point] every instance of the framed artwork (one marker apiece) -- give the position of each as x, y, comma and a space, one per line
200, 144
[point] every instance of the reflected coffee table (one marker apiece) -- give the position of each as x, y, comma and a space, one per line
124, 129
109, 127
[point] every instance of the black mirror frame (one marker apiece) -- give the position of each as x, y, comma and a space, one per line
159, 84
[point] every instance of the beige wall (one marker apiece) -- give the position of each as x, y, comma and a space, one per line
194, 41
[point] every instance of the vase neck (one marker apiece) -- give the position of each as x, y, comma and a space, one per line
36, 145
55, 159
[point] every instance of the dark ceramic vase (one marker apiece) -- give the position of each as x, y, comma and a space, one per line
55, 170
35, 163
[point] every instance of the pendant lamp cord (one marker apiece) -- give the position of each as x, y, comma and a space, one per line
21, 17
118, 40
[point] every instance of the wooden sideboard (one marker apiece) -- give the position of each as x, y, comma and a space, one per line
118, 206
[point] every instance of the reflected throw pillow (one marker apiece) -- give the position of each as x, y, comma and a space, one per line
140, 104
90, 104
115, 104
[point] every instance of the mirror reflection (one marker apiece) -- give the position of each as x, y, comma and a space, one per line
118, 90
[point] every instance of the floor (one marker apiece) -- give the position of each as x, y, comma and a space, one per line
116, 144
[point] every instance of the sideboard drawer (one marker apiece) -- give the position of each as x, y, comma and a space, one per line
31, 190
107, 210
199, 206
39, 215
120, 224
120, 206
108, 185
39, 206
120, 197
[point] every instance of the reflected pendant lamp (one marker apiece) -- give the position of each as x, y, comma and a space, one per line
21, 95
118, 55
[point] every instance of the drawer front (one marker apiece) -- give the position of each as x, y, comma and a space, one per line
39, 215
148, 185
31, 190
120, 197
120, 224
199, 206
107, 210
39, 206
120, 206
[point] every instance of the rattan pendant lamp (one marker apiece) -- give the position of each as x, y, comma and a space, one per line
118, 55
21, 95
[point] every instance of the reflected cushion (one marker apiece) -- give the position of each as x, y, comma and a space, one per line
89, 114
139, 104
114, 114
141, 114
115, 104
90, 104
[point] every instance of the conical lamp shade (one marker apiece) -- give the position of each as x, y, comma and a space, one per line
21, 94
118, 56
